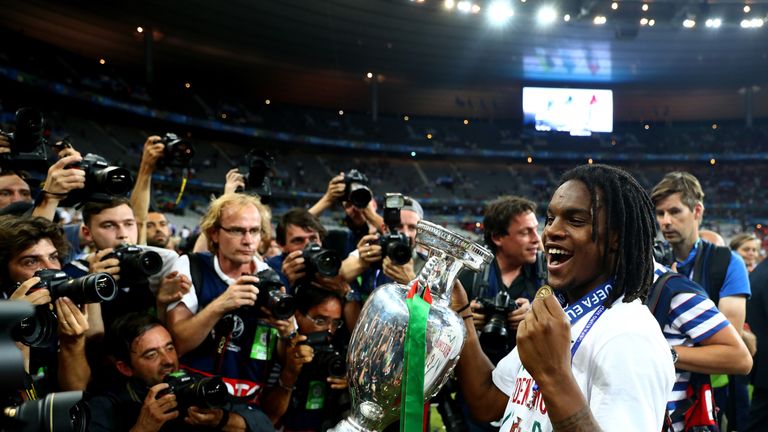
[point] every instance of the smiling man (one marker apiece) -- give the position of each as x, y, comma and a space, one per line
618, 372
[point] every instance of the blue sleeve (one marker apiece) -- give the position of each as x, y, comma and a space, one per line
72, 234
276, 262
736, 278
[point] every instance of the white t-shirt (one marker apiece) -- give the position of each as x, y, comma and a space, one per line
623, 367
190, 298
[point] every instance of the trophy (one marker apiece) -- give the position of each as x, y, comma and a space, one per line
375, 357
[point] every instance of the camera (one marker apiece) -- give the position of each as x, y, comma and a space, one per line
327, 360
280, 304
91, 288
27, 143
195, 390
320, 261
356, 189
394, 245
136, 264
178, 152
256, 174
64, 411
102, 181
495, 338
663, 253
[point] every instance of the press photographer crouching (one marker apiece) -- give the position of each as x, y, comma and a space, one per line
54, 338
156, 395
308, 391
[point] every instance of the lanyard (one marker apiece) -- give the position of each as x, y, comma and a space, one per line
592, 301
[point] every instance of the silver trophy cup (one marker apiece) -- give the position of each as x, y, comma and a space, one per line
375, 356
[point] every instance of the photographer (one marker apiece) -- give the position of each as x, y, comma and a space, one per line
215, 324
306, 395
109, 226
141, 194
28, 245
145, 355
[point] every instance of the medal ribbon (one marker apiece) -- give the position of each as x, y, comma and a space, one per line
592, 301
412, 387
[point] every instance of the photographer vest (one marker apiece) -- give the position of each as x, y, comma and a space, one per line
240, 347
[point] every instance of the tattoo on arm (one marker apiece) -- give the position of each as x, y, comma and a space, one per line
580, 421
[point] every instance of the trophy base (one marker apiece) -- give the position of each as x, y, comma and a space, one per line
349, 425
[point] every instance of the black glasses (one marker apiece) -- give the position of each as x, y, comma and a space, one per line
240, 232
334, 324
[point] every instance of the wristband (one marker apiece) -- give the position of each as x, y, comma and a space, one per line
223, 422
289, 336
466, 317
463, 308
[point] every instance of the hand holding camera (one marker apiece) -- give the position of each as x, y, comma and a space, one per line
296, 355
155, 411
336, 188
103, 262
515, 317
153, 151
35, 297
401, 273
73, 321
64, 176
243, 292
234, 181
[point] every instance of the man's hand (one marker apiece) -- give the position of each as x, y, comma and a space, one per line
296, 355
478, 317
335, 189
242, 293
62, 180
5, 144
234, 180
153, 151
399, 273
337, 383
369, 249
293, 267
516, 316
204, 417
544, 340
172, 288
336, 284
155, 412
97, 263
38, 297
73, 321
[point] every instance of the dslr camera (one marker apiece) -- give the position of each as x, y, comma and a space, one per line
91, 288
663, 253
317, 260
394, 245
27, 143
195, 390
256, 174
494, 337
356, 189
178, 152
280, 304
136, 264
327, 360
38, 330
102, 182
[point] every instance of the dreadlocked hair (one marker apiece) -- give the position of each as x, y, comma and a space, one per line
629, 214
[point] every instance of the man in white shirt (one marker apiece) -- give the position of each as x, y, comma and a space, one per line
602, 363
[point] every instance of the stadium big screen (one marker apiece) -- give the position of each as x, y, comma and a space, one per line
579, 112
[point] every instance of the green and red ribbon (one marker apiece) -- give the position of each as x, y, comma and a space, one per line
412, 408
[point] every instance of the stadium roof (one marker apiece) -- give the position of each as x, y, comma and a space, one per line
306, 46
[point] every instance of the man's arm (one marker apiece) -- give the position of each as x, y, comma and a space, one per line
368, 252
58, 183
735, 309
190, 330
140, 195
275, 399
73, 369
543, 342
334, 193
474, 370
722, 353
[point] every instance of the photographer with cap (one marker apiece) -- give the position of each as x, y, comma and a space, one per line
150, 400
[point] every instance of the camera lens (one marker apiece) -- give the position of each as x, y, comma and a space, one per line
359, 195
113, 180
281, 305
37, 330
327, 263
398, 252
91, 288
210, 392
150, 262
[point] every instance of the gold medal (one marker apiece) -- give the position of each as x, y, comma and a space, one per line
544, 291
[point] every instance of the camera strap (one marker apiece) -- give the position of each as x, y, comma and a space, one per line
223, 331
